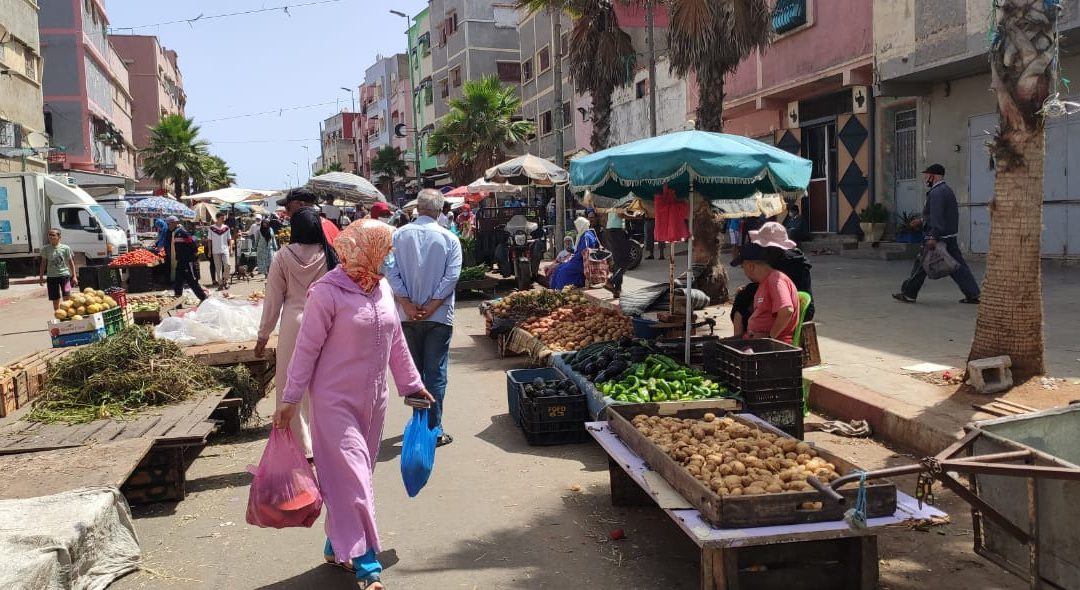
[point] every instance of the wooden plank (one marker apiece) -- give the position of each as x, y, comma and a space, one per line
196, 423
230, 353
745, 511
38, 474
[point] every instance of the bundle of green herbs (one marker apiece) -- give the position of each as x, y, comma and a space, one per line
128, 372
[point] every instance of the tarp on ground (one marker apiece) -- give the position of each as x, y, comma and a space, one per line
78, 540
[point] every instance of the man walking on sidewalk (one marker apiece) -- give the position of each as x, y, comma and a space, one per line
941, 223
181, 259
423, 272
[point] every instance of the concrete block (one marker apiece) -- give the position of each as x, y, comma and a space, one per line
991, 375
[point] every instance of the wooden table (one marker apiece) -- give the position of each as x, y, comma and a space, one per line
815, 556
175, 434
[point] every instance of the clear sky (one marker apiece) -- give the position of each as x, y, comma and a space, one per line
267, 61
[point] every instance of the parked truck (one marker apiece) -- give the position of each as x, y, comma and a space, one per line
32, 203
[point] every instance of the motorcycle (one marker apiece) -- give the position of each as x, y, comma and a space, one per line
523, 249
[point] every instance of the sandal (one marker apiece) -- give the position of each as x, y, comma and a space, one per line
330, 558
370, 581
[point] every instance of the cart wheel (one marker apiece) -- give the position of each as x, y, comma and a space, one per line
635, 255
523, 275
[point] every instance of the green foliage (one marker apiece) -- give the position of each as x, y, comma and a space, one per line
335, 167
907, 222
876, 213
388, 166
480, 127
176, 154
213, 174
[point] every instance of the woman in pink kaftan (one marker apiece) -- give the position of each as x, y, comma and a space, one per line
349, 335
294, 269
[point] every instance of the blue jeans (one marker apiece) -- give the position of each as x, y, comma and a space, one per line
429, 344
963, 276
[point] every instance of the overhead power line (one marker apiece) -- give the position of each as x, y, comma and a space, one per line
202, 17
277, 111
215, 142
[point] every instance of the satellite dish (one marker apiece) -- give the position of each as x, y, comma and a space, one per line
37, 140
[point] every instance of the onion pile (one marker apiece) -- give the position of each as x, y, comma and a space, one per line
732, 459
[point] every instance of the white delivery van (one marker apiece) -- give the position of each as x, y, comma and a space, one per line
117, 205
31, 203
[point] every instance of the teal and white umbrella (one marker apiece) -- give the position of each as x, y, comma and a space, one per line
716, 166
155, 207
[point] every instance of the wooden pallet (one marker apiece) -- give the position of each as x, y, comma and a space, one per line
22, 388
30, 475
220, 354
1004, 407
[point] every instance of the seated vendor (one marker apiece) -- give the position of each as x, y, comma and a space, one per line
564, 255
776, 302
572, 272
783, 256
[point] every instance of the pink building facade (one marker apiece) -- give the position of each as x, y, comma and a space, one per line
87, 100
157, 89
809, 93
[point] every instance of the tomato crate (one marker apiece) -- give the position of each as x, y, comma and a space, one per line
98, 277
554, 433
551, 410
515, 378
787, 416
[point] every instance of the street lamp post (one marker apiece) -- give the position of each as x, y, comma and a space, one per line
296, 170
412, 97
308, 151
352, 94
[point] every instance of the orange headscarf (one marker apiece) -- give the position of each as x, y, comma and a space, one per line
362, 247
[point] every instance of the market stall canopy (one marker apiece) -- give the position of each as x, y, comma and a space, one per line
205, 212
455, 202
348, 187
460, 191
155, 207
231, 195
527, 170
480, 185
717, 165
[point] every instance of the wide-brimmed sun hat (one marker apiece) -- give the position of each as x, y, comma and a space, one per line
772, 234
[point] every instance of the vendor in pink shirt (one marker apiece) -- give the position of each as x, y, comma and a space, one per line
776, 302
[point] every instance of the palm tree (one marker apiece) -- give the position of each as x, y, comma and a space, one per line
480, 127
711, 38
1022, 62
388, 166
601, 56
213, 174
175, 154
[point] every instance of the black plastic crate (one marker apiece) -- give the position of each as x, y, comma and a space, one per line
140, 279
755, 365
98, 277
676, 348
515, 378
563, 408
785, 416
554, 433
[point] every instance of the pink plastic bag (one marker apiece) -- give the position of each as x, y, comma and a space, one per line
284, 492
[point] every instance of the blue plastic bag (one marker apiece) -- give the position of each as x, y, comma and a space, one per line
418, 452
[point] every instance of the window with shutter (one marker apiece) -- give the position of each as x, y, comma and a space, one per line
7, 134
509, 71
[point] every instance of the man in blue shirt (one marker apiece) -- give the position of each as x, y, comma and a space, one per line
423, 273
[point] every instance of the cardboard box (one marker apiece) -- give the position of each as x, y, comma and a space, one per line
89, 323
79, 339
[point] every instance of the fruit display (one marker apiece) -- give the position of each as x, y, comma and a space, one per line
284, 236
633, 371
733, 459
138, 257
541, 388
572, 327
88, 302
522, 305
473, 273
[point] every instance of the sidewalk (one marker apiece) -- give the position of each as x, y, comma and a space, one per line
866, 338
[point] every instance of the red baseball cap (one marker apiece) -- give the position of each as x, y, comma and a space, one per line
380, 209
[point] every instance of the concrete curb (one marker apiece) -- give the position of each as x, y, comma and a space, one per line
894, 421
15, 298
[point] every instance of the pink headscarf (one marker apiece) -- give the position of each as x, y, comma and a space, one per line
362, 247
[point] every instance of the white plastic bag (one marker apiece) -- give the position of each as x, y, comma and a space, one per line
215, 320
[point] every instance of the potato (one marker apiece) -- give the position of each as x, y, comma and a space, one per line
774, 488
738, 468
708, 417
754, 490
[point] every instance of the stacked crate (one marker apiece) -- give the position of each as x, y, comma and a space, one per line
767, 374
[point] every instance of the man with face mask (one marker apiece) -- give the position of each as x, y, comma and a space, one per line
941, 223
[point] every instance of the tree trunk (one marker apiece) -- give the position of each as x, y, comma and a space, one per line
1010, 315
708, 231
601, 120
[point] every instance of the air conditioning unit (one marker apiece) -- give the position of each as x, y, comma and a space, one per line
792, 115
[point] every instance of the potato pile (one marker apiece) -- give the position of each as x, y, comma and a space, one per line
522, 305
733, 459
89, 302
574, 327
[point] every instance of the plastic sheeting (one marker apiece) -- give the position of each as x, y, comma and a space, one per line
215, 320
79, 540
